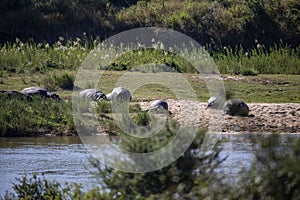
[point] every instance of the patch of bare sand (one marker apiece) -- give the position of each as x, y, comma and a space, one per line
267, 117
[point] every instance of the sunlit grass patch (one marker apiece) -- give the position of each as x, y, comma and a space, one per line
37, 117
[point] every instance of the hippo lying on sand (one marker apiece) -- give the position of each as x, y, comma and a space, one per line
234, 107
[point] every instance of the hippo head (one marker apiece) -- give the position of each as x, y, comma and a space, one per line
55, 96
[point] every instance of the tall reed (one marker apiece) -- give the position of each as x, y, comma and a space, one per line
38, 58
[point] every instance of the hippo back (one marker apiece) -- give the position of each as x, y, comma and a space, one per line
119, 94
158, 104
32, 91
93, 94
236, 107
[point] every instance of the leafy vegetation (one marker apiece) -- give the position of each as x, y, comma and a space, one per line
227, 22
275, 174
18, 58
275, 60
37, 117
35, 188
39, 57
64, 81
45, 42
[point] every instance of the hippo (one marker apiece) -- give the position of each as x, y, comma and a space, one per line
93, 94
32, 91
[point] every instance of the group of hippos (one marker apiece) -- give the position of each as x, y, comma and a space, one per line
234, 107
120, 94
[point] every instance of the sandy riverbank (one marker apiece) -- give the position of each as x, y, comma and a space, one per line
265, 117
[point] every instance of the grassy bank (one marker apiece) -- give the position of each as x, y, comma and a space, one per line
41, 57
45, 116
35, 118
54, 67
257, 89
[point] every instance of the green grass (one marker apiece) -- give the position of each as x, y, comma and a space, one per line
266, 88
275, 60
34, 118
64, 81
54, 67
41, 57
261, 88
22, 118
38, 58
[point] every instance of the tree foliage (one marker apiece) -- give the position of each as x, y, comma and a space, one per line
226, 22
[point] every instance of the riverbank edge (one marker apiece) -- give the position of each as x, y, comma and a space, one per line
267, 118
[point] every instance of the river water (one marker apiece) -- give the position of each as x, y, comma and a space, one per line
66, 159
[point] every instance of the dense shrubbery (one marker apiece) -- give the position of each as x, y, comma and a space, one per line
227, 22
275, 174
260, 36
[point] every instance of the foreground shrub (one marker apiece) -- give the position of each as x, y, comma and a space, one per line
36, 188
276, 173
182, 179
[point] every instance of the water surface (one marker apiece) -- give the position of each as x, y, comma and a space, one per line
58, 158
66, 159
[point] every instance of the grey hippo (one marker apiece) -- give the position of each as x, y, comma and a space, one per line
234, 107
32, 91
159, 106
119, 94
93, 94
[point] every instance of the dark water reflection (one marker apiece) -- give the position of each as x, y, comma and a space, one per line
65, 158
